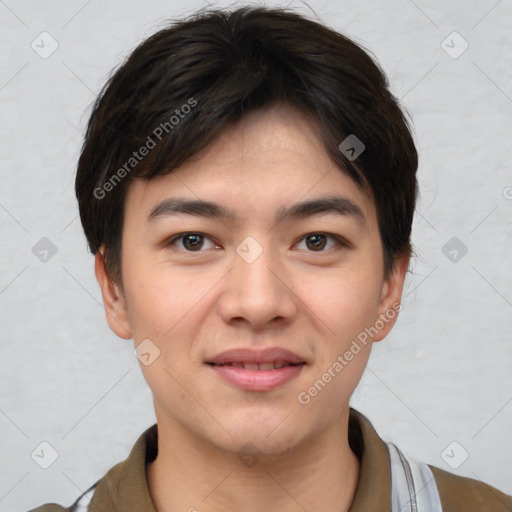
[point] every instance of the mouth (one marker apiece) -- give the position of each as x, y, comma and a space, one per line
268, 366
266, 359
257, 370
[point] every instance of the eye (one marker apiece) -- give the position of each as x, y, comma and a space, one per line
316, 241
192, 242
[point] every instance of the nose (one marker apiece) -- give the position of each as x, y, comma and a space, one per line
258, 289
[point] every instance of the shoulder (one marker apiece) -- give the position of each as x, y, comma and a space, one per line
80, 504
418, 486
462, 494
118, 481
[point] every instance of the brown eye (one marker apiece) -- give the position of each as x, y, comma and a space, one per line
191, 242
316, 242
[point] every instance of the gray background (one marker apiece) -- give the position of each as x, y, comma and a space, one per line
443, 374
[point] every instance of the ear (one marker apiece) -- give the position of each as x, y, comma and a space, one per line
113, 299
390, 300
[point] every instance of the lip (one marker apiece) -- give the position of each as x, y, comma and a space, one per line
257, 380
246, 355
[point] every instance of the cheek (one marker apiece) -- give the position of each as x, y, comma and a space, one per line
158, 299
343, 301
168, 308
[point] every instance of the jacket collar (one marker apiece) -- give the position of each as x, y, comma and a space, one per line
125, 487
373, 492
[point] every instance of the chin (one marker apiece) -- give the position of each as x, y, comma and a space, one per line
268, 437
258, 444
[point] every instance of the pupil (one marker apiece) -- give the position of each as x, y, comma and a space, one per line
195, 244
320, 241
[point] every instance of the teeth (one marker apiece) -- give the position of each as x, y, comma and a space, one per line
265, 366
238, 365
251, 366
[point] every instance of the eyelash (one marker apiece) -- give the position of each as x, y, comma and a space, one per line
342, 243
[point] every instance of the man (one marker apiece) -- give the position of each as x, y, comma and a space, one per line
247, 185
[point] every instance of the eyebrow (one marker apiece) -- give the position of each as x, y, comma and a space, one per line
322, 205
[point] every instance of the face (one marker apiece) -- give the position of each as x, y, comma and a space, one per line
309, 282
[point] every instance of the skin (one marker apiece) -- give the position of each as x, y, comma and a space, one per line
193, 305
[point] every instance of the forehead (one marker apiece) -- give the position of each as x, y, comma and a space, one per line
269, 159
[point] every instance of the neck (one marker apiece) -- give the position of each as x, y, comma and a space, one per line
190, 474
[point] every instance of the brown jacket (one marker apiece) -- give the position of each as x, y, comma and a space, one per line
416, 487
